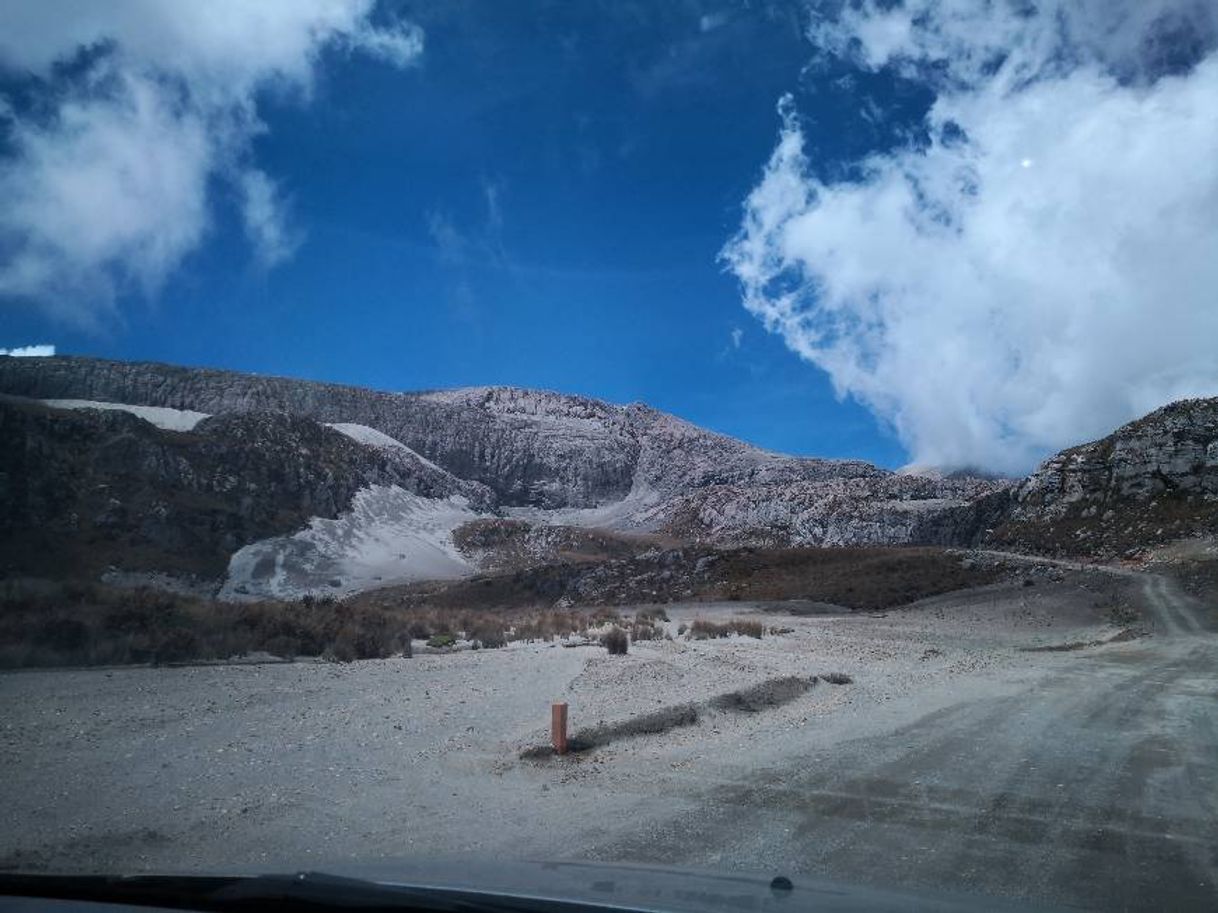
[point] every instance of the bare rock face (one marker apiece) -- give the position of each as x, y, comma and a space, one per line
531, 448
1151, 481
880, 510
81, 489
75, 485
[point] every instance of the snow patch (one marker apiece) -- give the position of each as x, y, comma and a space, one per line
374, 438
161, 416
388, 536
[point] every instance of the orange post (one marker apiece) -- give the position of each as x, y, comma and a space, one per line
558, 727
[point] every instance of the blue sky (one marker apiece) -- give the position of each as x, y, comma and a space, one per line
991, 225
540, 202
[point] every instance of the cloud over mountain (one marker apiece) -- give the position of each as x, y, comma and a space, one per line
1043, 267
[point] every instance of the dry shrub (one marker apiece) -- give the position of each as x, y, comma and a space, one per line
487, 635
93, 624
342, 650
50, 624
706, 630
616, 641
748, 628
644, 630
545, 625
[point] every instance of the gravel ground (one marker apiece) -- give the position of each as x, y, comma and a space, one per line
289, 766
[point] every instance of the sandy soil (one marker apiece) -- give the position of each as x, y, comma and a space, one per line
902, 777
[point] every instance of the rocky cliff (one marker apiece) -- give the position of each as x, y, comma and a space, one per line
890, 509
81, 490
1151, 481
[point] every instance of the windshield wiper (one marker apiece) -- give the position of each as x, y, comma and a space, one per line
301, 891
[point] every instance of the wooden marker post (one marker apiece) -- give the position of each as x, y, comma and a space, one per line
558, 727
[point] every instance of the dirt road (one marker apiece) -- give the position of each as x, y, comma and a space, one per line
956, 761
1095, 786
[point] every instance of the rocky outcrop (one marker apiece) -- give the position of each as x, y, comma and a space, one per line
83, 488
495, 543
884, 510
262, 468
1151, 481
80, 490
532, 448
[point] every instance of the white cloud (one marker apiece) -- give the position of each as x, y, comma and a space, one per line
108, 180
737, 337
1033, 284
264, 214
400, 44
39, 351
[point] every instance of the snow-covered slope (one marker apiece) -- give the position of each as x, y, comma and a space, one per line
374, 438
161, 416
388, 536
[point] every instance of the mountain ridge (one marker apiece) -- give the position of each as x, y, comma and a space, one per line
364, 466
472, 431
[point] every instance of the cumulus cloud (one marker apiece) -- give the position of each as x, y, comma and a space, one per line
139, 108
1043, 268
39, 351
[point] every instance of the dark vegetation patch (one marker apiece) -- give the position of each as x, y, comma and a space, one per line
1062, 648
772, 693
804, 608
616, 641
701, 629
1122, 636
92, 624
837, 678
862, 579
45, 623
768, 694
644, 630
1109, 526
603, 733
652, 614
502, 544
648, 724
